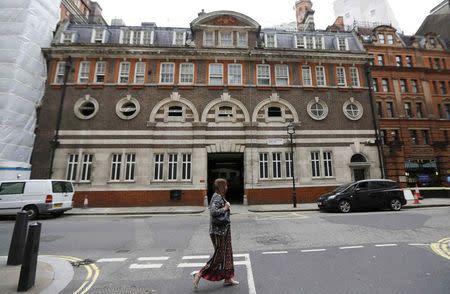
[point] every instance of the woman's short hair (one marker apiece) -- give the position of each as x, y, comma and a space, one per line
220, 186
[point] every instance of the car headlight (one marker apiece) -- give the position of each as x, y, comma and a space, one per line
331, 197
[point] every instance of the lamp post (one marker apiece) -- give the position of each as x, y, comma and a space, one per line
291, 132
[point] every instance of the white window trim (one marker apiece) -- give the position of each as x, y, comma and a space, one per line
131, 162
213, 38
324, 76
276, 77
229, 76
275, 119
323, 42
161, 164
346, 43
257, 76
174, 38
323, 164
220, 39
357, 77
88, 72
136, 72
193, 74
296, 38
337, 77
120, 72
319, 170
274, 40
246, 40
225, 119
209, 74
121, 102
76, 107
168, 118
120, 162
175, 163
188, 170
77, 162
267, 164
325, 109
72, 37
89, 166
358, 105
313, 42
310, 76
152, 35
161, 72
96, 72
280, 161
63, 64
94, 30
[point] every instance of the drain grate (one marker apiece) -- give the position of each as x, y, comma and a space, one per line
82, 262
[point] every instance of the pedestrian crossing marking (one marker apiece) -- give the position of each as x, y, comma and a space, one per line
153, 258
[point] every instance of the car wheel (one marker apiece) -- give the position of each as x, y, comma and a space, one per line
344, 206
395, 204
32, 211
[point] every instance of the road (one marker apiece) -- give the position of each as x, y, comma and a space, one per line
307, 252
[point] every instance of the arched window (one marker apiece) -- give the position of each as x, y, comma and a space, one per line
225, 112
274, 111
358, 158
175, 111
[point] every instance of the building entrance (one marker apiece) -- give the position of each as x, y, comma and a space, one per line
229, 166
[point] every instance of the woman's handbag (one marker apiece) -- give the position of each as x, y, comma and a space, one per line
222, 220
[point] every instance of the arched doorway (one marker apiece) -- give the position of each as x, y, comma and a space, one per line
360, 167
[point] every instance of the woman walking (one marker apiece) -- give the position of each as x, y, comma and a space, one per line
220, 265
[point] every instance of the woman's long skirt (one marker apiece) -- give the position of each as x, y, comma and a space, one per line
220, 265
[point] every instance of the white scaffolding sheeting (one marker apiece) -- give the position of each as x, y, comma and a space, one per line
26, 26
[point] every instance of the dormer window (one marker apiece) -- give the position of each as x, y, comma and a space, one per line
242, 39
208, 38
342, 44
136, 37
319, 42
271, 40
390, 39
381, 39
147, 37
309, 42
179, 38
126, 37
68, 37
433, 42
98, 36
226, 39
300, 42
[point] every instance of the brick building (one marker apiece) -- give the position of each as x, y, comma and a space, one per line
411, 82
150, 115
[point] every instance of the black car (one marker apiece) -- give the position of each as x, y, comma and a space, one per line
366, 194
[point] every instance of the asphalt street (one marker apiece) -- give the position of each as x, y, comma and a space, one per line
290, 252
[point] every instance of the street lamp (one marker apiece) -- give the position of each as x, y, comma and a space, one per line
291, 132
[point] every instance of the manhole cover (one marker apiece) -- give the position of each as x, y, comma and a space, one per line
272, 240
122, 251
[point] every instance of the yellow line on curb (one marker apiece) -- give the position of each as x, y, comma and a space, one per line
441, 248
93, 273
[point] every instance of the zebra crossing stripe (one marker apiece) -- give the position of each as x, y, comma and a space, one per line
146, 266
112, 260
153, 258
196, 257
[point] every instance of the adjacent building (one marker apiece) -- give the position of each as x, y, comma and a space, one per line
149, 115
81, 12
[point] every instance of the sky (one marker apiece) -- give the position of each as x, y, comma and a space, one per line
178, 13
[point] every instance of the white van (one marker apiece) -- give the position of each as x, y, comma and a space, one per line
36, 197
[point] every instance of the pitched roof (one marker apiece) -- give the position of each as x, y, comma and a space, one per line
437, 23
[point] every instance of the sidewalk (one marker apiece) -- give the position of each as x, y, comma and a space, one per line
237, 209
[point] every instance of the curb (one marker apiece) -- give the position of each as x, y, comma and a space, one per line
316, 209
136, 213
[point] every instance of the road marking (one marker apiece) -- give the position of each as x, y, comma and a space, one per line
313, 250
195, 257
386, 245
153, 258
442, 248
418, 244
112, 259
275, 252
351, 247
146, 266
93, 273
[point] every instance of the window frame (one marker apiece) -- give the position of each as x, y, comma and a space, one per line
267, 77
97, 73
164, 66
338, 76
215, 76
86, 167
172, 167
324, 84
158, 167
72, 167
84, 70
263, 166
116, 167
122, 74
130, 167
60, 66
354, 77
191, 66
232, 74
186, 166
306, 76
238, 36
140, 74
205, 39
279, 78
231, 40
276, 166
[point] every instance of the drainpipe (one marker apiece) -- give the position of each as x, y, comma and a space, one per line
54, 143
375, 120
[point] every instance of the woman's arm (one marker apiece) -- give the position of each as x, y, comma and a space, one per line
216, 206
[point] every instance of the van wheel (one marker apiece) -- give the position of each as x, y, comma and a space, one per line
395, 204
344, 206
32, 211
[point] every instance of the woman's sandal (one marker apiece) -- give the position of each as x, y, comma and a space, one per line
194, 275
231, 283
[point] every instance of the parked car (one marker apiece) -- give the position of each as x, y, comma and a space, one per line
365, 194
36, 197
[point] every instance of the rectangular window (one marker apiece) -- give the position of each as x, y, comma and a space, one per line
390, 39
414, 86
226, 39
281, 74
242, 39
139, 75
306, 73
130, 166
383, 137
276, 165
86, 168
72, 167
186, 73
442, 88
208, 39
403, 86
263, 74
116, 165
379, 109
327, 164
300, 42
426, 137
173, 163
341, 76
178, 38
408, 113
60, 72
126, 37
159, 167
380, 60
419, 113
447, 111
398, 60
385, 85
124, 73
186, 166
263, 166
234, 74
271, 41
319, 42
315, 164
309, 42
288, 156
167, 73
216, 74
137, 37
437, 63
354, 74
390, 109
320, 76
147, 37
342, 44
381, 39
413, 135
67, 37
408, 60
375, 85
12, 188
98, 36
395, 136
83, 75
100, 71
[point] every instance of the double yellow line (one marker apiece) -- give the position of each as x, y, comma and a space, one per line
91, 277
442, 248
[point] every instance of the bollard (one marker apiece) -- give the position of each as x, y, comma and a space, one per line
205, 201
86, 202
28, 269
15, 255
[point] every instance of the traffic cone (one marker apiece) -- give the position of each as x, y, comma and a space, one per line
417, 196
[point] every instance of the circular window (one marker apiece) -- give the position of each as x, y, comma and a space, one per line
127, 108
317, 109
86, 108
353, 109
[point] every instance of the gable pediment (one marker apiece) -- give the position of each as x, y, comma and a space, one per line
225, 19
